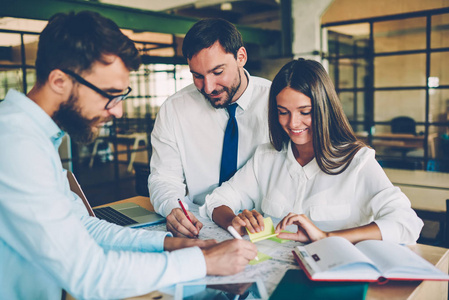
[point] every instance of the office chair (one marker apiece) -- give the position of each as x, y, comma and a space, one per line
403, 124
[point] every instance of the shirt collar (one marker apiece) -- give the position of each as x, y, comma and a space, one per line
37, 114
245, 99
295, 169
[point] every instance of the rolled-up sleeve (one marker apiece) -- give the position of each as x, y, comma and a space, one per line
391, 209
395, 218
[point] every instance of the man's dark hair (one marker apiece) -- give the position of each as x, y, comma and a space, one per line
206, 32
75, 41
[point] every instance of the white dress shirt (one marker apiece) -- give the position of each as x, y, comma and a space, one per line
187, 142
275, 184
48, 242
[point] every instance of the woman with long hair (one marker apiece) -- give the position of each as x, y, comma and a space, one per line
315, 173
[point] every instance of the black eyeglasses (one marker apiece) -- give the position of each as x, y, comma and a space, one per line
113, 99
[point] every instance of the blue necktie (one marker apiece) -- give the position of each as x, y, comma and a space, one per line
230, 146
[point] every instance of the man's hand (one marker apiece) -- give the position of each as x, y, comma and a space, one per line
174, 243
179, 225
252, 220
229, 257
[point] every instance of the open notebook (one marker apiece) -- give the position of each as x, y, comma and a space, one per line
124, 214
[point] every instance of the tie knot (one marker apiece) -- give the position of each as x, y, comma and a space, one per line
231, 109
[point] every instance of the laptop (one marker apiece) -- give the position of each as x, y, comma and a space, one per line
125, 214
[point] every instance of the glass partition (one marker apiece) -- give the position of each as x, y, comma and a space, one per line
400, 70
439, 69
394, 68
440, 31
391, 104
400, 35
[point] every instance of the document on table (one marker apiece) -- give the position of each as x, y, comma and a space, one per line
270, 271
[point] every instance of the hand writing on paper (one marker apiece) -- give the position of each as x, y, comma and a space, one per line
307, 231
252, 220
180, 226
229, 257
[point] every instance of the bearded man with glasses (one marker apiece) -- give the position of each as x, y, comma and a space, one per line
81, 128
48, 241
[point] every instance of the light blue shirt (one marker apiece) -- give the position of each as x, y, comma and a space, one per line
48, 242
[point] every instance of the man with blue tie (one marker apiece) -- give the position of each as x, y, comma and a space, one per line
208, 130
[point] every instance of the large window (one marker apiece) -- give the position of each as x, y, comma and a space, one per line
392, 77
17, 55
151, 85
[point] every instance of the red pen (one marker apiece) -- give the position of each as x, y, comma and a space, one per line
184, 210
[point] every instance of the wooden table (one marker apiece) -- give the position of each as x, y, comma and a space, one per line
403, 139
141, 200
419, 178
392, 290
426, 190
416, 290
395, 140
426, 199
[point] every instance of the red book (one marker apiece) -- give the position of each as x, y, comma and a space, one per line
337, 259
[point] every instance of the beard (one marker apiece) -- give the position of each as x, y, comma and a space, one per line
69, 118
229, 94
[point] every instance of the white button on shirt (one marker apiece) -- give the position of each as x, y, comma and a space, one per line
187, 142
275, 183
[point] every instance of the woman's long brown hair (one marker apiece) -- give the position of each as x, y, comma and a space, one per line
334, 141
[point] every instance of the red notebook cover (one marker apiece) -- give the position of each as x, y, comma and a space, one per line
380, 280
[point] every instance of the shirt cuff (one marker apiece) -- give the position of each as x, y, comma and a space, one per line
388, 230
191, 262
202, 210
168, 206
207, 209
154, 240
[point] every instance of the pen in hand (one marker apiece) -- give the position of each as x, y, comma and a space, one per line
185, 212
236, 235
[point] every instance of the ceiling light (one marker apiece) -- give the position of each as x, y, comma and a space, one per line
226, 6
433, 82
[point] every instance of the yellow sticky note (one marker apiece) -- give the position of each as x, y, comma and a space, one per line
261, 256
279, 240
267, 232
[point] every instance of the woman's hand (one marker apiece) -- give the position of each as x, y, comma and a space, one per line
307, 231
252, 220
